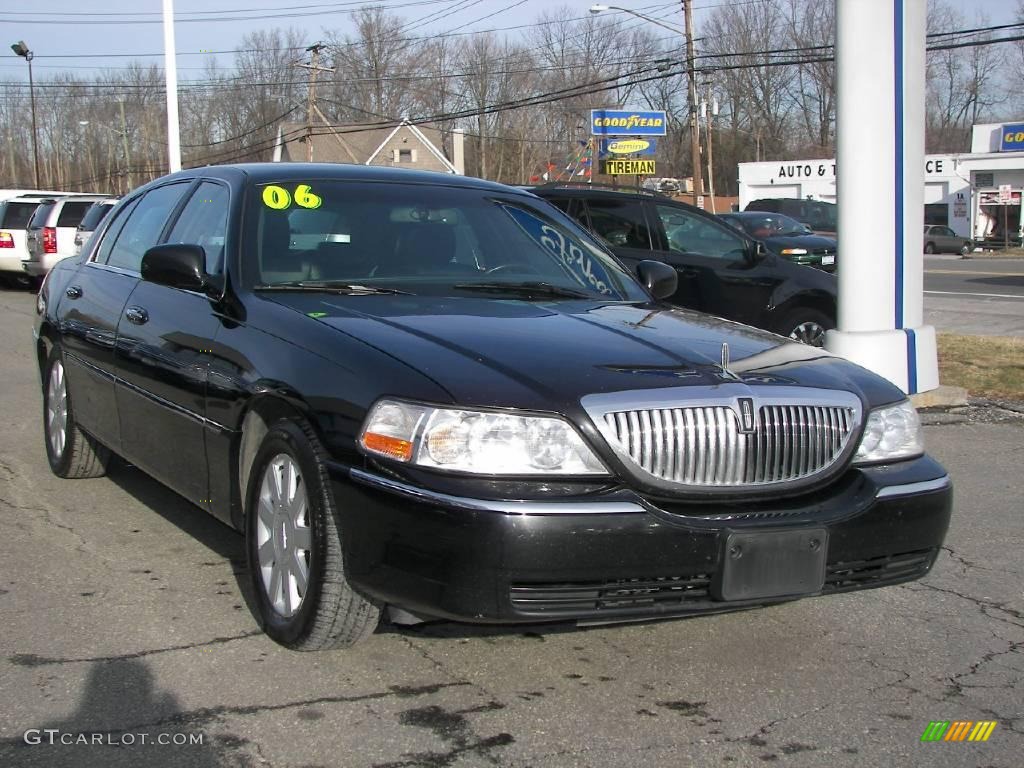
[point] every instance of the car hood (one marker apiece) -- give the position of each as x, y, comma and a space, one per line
811, 243
547, 356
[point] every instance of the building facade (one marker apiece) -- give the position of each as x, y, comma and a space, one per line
977, 194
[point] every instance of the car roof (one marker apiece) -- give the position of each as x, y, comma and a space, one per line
258, 173
30, 199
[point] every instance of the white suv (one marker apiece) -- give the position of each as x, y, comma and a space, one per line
51, 232
14, 217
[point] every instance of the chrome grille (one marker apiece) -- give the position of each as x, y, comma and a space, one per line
705, 446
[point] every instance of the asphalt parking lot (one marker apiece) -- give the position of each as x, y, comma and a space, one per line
124, 618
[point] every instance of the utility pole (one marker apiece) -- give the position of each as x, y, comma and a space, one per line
710, 112
691, 76
314, 69
127, 154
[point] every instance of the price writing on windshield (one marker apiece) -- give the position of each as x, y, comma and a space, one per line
280, 198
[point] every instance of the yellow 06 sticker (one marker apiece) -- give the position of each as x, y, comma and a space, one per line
279, 198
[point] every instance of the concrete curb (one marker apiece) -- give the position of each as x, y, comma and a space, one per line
993, 255
944, 397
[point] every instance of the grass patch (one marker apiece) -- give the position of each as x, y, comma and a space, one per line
987, 366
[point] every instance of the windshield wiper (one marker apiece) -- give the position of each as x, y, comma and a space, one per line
328, 285
528, 289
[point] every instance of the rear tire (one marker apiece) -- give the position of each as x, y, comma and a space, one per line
72, 453
806, 325
294, 546
929, 248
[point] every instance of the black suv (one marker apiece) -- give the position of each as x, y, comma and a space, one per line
721, 271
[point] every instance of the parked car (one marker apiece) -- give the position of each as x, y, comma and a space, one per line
459, 404
721, 271
51, 231
786, 237
93, 216
15, 215
820, 215
942, 239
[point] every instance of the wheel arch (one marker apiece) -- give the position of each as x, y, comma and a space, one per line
817, 300
255, 421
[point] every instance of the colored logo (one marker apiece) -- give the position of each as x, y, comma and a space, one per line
618, 122
958, 730
627, 147
1011, 139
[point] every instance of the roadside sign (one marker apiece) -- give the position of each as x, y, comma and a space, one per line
1011, 137
620, 122
629, 167
627, 146
1005, 194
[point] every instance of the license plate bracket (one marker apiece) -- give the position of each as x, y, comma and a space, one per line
766, 564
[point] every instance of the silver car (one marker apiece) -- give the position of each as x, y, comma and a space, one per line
942, 239
51, 231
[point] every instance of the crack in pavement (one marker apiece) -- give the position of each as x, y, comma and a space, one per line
32, 660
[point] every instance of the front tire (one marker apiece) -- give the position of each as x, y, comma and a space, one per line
294, 546
71, 452
806, 325
965, 249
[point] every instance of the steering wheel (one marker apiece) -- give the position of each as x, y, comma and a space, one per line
527, 268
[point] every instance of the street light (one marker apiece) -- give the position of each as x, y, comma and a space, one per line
691, 76
22, 50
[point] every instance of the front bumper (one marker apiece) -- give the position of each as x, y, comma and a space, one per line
618, 556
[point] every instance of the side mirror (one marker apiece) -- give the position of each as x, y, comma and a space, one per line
758, 251
176, 265
658, 278
808, 230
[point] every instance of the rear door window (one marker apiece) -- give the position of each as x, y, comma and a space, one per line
620, 222
71, 212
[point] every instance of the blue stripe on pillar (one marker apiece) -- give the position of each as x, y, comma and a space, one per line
911, 361
899, 190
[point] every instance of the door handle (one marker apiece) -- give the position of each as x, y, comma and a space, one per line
73, 292
136, 315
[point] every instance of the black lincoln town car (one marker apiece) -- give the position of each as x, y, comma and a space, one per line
439, 395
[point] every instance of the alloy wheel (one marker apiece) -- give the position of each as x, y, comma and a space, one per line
283, 535
57, 410
809, 333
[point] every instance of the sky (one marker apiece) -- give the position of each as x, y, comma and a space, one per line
82, 35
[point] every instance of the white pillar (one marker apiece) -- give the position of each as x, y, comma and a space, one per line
171, 72
880, 74
459, 150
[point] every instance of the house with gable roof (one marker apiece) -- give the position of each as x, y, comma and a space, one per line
404, 145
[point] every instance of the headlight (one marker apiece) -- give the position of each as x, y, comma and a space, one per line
794, 251
478, 442
892, 432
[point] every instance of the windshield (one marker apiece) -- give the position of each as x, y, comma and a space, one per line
423, 239
770, 225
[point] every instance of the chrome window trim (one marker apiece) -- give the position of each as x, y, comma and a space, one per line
725, 395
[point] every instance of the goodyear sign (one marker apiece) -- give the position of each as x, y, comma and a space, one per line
629, 167
627, 146
1012, 138
619, 122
